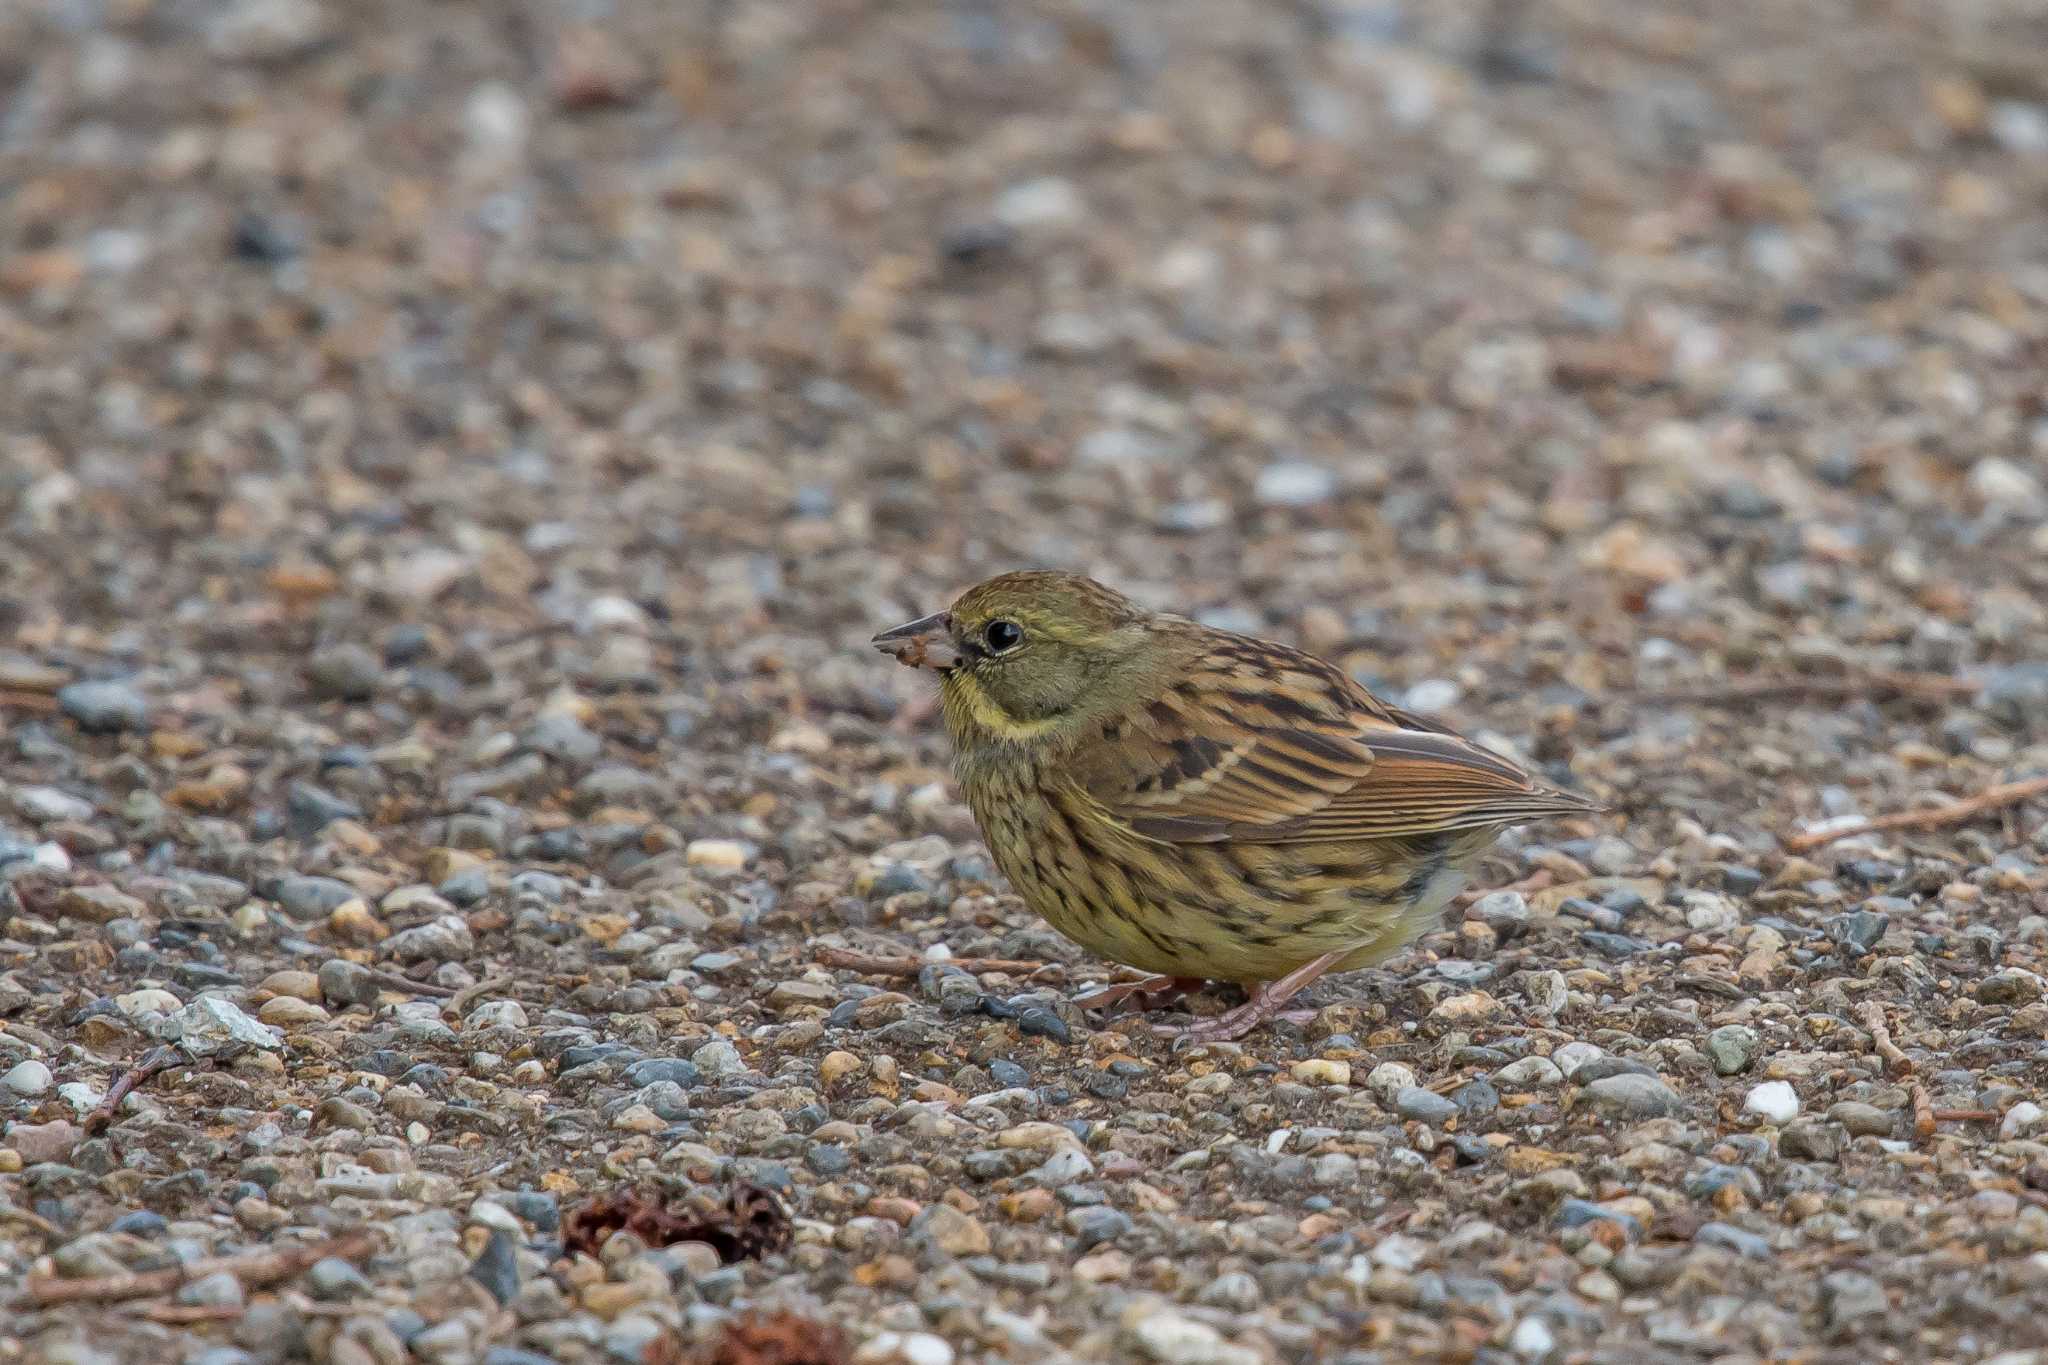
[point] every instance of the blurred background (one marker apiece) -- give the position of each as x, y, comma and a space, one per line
1382, 326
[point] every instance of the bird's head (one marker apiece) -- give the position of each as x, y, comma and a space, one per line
1031, 655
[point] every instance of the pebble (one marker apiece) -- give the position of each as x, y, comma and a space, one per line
1504, 912
721, 854
1319, 1071
718, 1060
1171, 1339
1424, 1106
1632, 1096
104, 708
345, 672
1732, 1048
1773, 1101
1294, 483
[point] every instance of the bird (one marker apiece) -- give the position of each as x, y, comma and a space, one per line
1203, 805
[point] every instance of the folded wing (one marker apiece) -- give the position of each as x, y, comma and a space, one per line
1261, 744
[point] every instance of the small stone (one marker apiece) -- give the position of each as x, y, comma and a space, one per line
99, 904
288, 1011
1504, 912
2009, 988
904, 1348
1424, 1106
104, 708
2021, 1119
1774, 1101
951, 1231
446, 939
1468, 1008
211, 1026
1320, 1071
347, 983
333, 1280
345, 672
1294, 483
39, 1142
1532, 1340
1739, 1240
718, 1059
312, 898
1862, 1120
1096, 1224
721, 854
1731, 1048
1171, 1339
1850, 1296
1629, 1095
1044, 203
1529, 1073
1389, 1079
218, 1290
1810, 1140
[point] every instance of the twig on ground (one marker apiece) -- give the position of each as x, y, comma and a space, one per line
1954, 813
877, 965
459, 1003
11, 1214
254, 1271
1923, 1113
1871, 1016
1966, 1116
1739, 691
15, 699
154, 1063
183, 1314
398, 981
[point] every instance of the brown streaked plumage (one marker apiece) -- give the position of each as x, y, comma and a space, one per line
1201, 804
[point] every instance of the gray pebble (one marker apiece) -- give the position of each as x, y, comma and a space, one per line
1632, 1096
1094, 1226
307, 899
1731, 1048
104, 708
345, 672
1424, 1106
332, 1280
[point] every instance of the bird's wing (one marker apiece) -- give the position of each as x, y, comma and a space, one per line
1262, 744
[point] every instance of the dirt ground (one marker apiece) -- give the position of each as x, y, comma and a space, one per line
452, 457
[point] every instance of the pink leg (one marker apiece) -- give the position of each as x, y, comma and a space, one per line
1265, 1003
1154, 992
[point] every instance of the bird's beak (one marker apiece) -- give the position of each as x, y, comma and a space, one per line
924, 643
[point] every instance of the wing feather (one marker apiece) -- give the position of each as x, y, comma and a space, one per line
1263, 744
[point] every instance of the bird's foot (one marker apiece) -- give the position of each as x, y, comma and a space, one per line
1154, 992
1266, 1002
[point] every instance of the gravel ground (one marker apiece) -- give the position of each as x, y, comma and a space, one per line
455, 455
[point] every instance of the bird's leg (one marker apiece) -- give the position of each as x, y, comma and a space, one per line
1266, 1001
1151, 993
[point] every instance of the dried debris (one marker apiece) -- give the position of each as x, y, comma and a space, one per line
747, 1224
776, 1339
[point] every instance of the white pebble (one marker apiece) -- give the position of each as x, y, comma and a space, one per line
905, 1348
1776, 1101
725, 853
29, 1079
1532, 1339
2020, 1119
1572, 1056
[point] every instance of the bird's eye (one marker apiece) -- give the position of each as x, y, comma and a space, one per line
1003, 636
